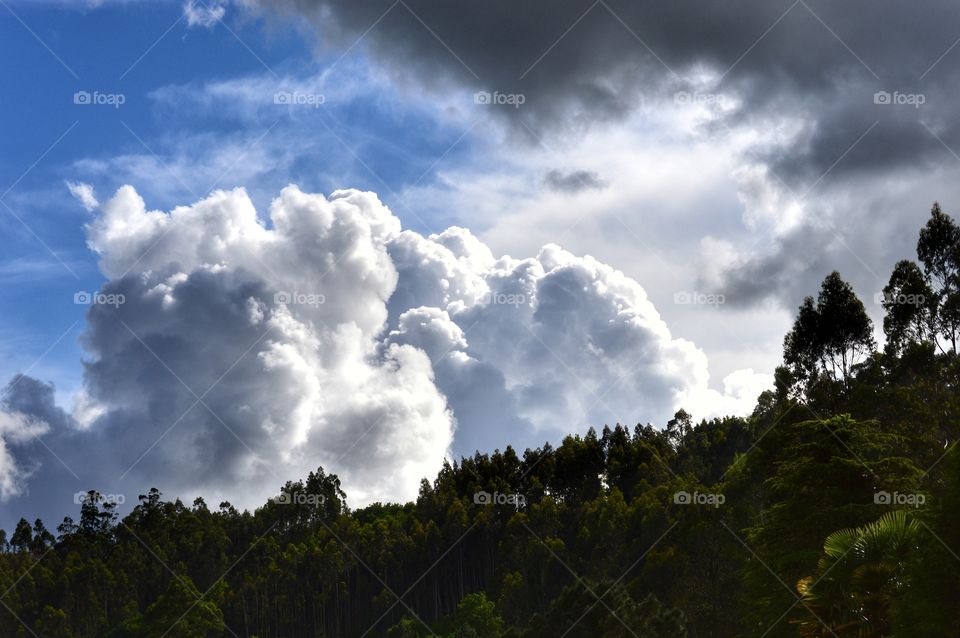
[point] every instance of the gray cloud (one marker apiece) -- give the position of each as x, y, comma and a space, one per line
573, 181
27, 395
25, 404
583, 62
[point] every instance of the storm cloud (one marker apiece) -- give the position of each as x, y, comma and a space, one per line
837, 66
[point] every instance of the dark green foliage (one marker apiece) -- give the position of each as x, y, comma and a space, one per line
826, 477
476, 617
862, 572
938, 249
585, 610
181, 611
598, 507
911, 308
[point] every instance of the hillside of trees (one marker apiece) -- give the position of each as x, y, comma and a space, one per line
832, 511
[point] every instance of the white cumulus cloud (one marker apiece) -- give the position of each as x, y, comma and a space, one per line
240, 352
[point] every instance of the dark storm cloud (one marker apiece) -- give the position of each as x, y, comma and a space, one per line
788, 270
580, 62
573, 181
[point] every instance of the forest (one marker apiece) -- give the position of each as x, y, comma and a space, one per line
831, 511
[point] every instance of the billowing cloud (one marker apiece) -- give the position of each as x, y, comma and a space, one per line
227, 354
287, 318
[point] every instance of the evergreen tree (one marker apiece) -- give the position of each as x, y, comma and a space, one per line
827, 475
830, 336
911, 308
938, 249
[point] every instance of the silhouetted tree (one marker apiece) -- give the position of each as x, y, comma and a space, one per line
938, 249
830, 335
911, 308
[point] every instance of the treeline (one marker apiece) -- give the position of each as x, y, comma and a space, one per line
831, 511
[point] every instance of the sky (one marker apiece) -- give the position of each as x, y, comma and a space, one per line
244, 239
